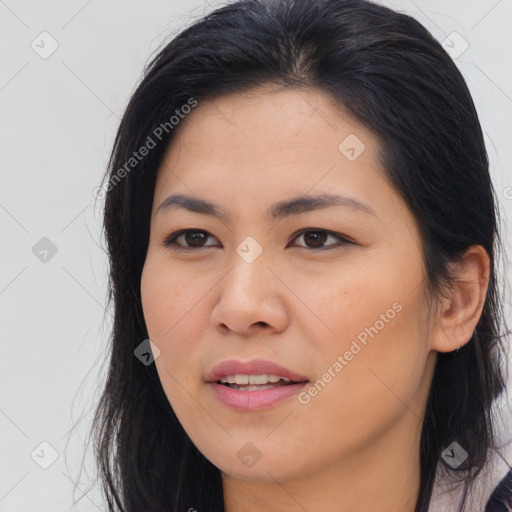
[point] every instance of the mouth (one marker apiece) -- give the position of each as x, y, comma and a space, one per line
255, 382
253, 385
257, 372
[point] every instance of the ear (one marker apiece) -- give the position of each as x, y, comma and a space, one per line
462, 306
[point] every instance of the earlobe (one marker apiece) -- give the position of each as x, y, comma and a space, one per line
462, 306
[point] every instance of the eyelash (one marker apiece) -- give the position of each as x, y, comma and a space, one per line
170, 241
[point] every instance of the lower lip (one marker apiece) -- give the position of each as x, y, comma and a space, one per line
250, 400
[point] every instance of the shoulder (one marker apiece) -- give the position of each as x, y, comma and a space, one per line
490, 492
501, 498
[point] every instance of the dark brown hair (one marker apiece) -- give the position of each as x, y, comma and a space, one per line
395, 78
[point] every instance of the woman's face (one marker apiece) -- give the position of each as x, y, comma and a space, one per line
333, 293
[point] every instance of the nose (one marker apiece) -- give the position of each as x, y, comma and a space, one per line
250, 299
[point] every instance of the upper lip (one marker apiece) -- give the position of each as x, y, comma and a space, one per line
254, 367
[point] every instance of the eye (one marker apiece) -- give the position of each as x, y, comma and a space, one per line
195, 238
317, 237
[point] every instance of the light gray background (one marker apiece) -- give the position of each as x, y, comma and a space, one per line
57, 125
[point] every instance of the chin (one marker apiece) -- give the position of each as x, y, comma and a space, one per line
265, 469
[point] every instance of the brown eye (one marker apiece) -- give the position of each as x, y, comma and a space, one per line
195, 238
188, 239
316, 238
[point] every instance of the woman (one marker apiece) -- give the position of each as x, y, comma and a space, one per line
299, 216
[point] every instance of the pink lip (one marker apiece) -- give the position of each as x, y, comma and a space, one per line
254, 367
249, 400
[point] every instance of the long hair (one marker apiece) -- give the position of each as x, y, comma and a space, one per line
391, 74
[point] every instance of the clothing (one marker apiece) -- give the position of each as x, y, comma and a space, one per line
491, 492
501, 498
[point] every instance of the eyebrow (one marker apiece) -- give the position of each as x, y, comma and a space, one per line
280, 210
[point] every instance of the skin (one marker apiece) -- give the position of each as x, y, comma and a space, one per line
355, 445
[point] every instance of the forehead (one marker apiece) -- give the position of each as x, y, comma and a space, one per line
265, 131
250, 151
270, 115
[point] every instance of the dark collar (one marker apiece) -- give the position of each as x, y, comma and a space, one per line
501, 495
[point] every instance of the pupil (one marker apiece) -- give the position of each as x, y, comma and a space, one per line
321, 234
193, 237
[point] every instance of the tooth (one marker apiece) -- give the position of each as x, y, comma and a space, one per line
257, 388
253, 388
255, 380
258, 379
241, 379
227, 378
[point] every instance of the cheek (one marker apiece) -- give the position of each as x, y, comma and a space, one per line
169, 299
379, 366
174, 317
370, 390
162, 300
373, 319
345, 302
